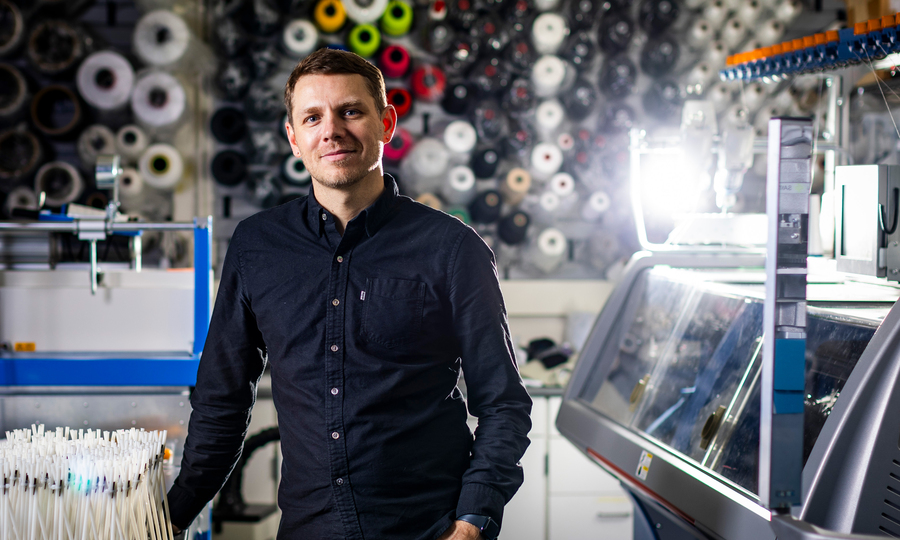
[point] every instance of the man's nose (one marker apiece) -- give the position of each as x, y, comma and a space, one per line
333, 126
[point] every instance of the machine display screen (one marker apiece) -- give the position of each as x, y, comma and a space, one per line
685, 365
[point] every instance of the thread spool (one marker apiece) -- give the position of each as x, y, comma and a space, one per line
515, 186
548, 205
229, 168
770, 32
699, 34
545, 5
460, 136
60, 182
13, 92
512, 229
618, 118
581, 99
402, 101
702, 74
596, 206
265, 188
131, 141
548, 32
428, 158
56, 111
749, 12
716, 53
549, 116
158, 100
263, 102
20, 155
548, 75
563, 185
484, 162
54, 47
264, 58
460, 213
437, 37
105, 80
363, 12
162, 39
233, 79
733, 33
428, 83
330, 16
462, 54
299, 38
546, 159
520, 54
520, 141
263, 17
460, 185
490, 76
616, 32
397, 18
485, 207
364, 40
579, 48
664, 99
720, 96
583, 13
95, 140
228, 125
520, 96
787, 12
14, 35
549, 250
656, 16
715, 13
294, 171
20, 198
395, 62
430, 200
457, 99
659, 56
618, 77
161, 166
753, 97
131, 184
229, 37
399, 145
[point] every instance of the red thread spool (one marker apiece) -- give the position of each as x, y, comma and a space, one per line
401, 99
394, 62
399, 145
428, 83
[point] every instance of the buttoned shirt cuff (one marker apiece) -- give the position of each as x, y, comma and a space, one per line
183, 507
481, 500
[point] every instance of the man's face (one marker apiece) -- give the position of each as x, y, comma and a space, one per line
337, 130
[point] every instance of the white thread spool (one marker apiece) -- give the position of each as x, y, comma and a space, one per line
715, 13
548, 75
368, 13
770, 32
161, 166
299, 38
548, 32
549, 250
105, 80
131, 141
753, 96
546, 159
548, 205
515, 186
21, 197
597, 204
749, 12
699, 34
545, 5
716, 54
64, 191
733, 33
460, 185
131, 183
158, 101
460, 136
427, 162
95, 140
295, 172
721, 96
787, 11
162, 39
549, 115
701, 74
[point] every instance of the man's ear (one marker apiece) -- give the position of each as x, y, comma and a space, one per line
389, 119
292, 138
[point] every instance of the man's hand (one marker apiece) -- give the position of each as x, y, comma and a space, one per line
461, 530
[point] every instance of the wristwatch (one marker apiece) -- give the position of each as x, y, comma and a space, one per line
488, 527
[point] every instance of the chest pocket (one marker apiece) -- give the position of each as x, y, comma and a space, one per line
393, 310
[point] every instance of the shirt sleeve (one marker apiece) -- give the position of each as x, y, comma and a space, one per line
231, 365
495, 393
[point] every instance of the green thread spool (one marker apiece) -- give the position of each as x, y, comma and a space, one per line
364, 40
397, 18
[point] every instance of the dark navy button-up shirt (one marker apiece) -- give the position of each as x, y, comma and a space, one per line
365, 333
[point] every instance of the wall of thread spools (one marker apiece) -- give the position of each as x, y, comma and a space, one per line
513, 113
84, 78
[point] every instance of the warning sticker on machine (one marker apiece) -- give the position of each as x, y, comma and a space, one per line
644, 465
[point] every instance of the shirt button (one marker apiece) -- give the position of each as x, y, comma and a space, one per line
340, 259
335, 435
335, 302
339, 481
334, 391
324, 216
334, 348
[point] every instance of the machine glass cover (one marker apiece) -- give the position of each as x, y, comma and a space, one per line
682, 366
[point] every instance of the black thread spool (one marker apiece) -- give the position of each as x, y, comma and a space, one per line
484, 162
581, 99
659, 56
266, 146
265, 188
617, 118
583, 13
233, 78
228, 125
264, 58
229, 38
437, 37
13, 93
461, 56
55, 47
656, 16
489, 76
490, 122
21, 154
262, 17
513, 228
520, 55
56, 111
663, 100
579, 49
457, 98
229, 168
490, 33
521, 139
616, 32
520, 96
618, 77
12, 28
485, 207
462, 14
519, 15
263, 103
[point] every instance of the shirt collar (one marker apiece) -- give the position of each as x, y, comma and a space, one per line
374, 215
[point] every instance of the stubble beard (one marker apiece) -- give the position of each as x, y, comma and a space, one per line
339, 177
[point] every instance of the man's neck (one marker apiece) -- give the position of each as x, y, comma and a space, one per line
346, 203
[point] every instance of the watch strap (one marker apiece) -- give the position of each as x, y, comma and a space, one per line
489, 528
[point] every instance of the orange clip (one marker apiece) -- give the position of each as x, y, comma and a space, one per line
873, 25
859, 28
831, 35
819, 39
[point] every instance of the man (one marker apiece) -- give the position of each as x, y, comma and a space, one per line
366, 304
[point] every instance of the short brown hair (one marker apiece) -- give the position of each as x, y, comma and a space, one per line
336, 62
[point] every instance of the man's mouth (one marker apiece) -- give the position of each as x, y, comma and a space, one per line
337, 154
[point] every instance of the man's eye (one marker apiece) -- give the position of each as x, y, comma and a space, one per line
351, 112
310, 119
